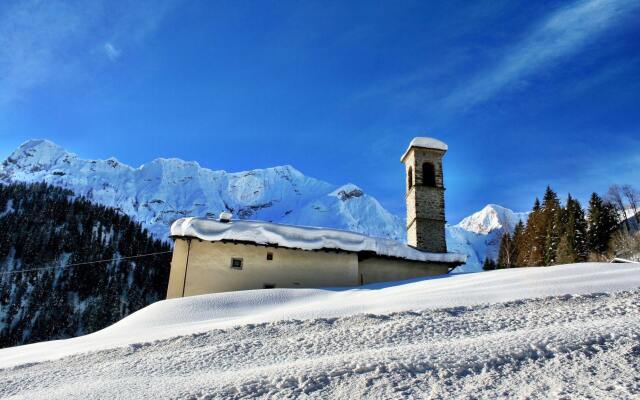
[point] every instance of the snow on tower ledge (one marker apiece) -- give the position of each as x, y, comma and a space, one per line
427, 143
302, 237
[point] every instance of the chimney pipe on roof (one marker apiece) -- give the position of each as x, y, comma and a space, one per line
225, 217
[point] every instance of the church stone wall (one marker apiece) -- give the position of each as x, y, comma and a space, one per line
380, 269
208, 268
200, 267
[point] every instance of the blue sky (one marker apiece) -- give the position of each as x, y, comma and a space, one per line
525, 94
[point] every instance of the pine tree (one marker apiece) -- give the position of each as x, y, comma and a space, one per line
536, 205
489, 264
602, 223
51, 228
565, 251
580, 240
519, 241
551, 225
531, 252
573, 243
506, 253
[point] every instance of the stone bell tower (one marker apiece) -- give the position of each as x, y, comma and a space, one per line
425, 194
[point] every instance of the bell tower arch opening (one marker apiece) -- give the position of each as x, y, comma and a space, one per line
428, 174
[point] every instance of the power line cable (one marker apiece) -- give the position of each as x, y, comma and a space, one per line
85, 263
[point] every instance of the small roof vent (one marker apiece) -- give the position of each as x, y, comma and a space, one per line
225, 217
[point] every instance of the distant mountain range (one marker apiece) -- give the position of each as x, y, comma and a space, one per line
159, 192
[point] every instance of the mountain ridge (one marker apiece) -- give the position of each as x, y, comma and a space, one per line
164, 189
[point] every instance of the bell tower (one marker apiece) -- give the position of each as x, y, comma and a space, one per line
425, 194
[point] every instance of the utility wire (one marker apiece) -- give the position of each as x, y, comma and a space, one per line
85, 263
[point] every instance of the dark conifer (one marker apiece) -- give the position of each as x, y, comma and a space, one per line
602, 223
51, 228
519, 241
551, 225
573, 243
489, 264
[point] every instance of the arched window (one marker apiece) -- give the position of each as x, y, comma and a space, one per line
409, 178
428, 175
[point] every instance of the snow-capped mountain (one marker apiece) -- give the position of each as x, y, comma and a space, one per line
491, 218
478, 235
163, 190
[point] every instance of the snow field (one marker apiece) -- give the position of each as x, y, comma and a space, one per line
569, 331
176, 317
558, 347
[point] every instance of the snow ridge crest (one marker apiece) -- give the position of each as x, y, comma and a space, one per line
166, 189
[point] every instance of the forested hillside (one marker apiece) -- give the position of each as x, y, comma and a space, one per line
44, 294
562, 234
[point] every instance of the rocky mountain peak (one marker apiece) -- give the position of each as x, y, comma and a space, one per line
348, 191
491, 218
39, 154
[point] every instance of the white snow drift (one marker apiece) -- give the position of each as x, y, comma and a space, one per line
448, 337
202, 313
302, 237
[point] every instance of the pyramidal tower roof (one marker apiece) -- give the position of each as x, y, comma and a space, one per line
426, 143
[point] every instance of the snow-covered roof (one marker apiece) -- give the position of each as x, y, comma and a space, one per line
427, 143
302, 237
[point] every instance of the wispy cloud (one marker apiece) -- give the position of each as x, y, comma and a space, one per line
593, 168
562, 34
45, 40
111, 51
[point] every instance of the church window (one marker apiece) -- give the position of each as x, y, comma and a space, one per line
236, 263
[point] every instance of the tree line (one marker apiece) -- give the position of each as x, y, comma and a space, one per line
557, 233
45, 228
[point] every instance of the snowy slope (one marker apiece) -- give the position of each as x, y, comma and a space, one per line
452, 336
163, 190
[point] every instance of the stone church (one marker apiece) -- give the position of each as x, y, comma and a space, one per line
224, 255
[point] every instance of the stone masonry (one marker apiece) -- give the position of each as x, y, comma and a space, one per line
425, 204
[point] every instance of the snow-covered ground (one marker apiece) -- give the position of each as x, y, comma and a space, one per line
559, 332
